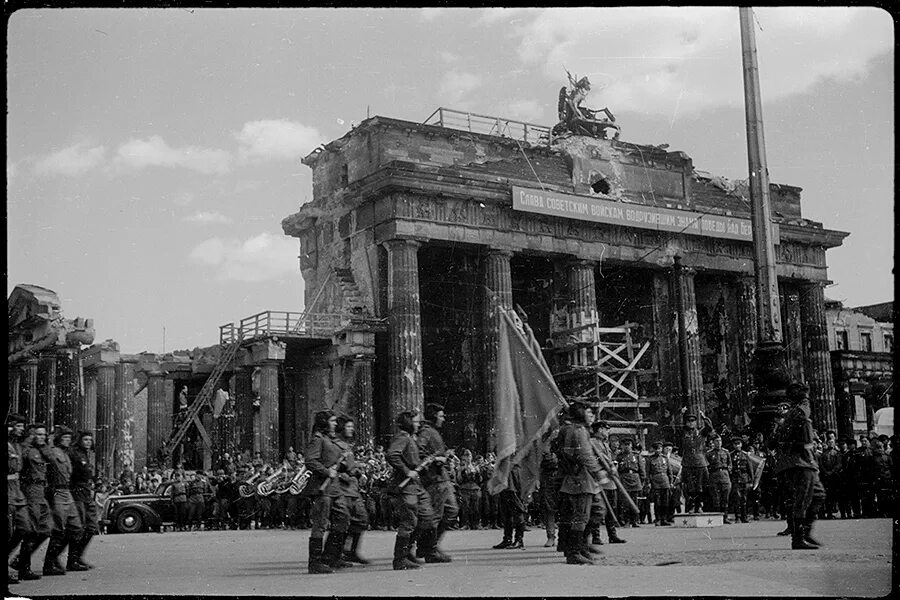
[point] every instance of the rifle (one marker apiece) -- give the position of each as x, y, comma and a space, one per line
615, 478
418, 469
328, 481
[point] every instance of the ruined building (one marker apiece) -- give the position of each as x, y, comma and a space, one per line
424, 226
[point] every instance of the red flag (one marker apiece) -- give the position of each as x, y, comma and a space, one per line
526, 401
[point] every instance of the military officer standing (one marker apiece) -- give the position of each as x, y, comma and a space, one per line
18, 521
549, 484
659, 483
741, 478
67, 528
694, 471
435, 478
632, 476
82, 457
719, 476
608, 490
411, 503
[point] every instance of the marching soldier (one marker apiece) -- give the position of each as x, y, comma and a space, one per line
67, 528
325, 459
35, 455
435, 478
349, 480
796, 439
18, 521
694, 472
82, 457
719, 476
741, 478
411, 503
659, 484
581, 473
632, 475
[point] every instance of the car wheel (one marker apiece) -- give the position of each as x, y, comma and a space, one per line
129, 521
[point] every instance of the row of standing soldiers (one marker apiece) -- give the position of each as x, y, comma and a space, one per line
50, 494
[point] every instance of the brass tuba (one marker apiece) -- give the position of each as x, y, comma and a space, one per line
247, 489
298, 483
264, 488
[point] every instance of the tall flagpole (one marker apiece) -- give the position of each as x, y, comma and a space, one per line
770, 373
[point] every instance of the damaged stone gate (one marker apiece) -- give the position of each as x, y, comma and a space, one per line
425, 225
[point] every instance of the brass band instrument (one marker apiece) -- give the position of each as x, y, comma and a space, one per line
247, 489
298, 483
264, 488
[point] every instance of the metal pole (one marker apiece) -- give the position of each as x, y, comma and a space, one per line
769, 313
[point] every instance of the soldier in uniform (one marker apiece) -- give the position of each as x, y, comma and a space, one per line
741, 478
632, 476
719, 465
581, 473
18, 521
435, 478
411, 503
35, 455
67, 528
349, 481
659, 483
796, 439
469, 477
694, 471
512, 511
82, 457
600, 442
549, 483
324, 458
830, 472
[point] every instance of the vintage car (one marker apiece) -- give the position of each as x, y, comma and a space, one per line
134, 513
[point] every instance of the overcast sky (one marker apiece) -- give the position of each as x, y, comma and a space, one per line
151, 154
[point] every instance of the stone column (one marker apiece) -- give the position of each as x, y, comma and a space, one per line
745, 292
791, 331
365, 410
14, 374
104, 440
583, 293
28, 391
46, 390
816, 357
688, 337
665, 333
86, 416
159, 414
123, 416
498, 280
243, 407
268, 412
67, 392
404, 328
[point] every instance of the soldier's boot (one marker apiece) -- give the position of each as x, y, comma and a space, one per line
23, 561
334, 548
613, 536
589, 545
519, 543
429, 545
574, 554
401, 550
51, 559
72, 561
436, 550
507, 538
807, 534
353, 554
551, 533
83, 543
315, 564
797, 541
414, 540
562, 538
788, 530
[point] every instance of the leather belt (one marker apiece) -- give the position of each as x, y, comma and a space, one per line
12, 477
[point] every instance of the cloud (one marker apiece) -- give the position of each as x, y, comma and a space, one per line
276, 139
184, 198
260, 258
456, 85
688, 59
525, 110
207, 217
74, 160
12, 169
448, 57
155, 152
496, 15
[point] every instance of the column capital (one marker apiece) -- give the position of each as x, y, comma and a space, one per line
156, 373
395, 243
100, 365
576, 261
504, 252
28, 362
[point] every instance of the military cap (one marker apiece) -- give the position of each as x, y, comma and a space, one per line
796, 390
84, 434
690, 417
714, 436
737, 438
626, 440
656, 444
668, 443
61, 430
